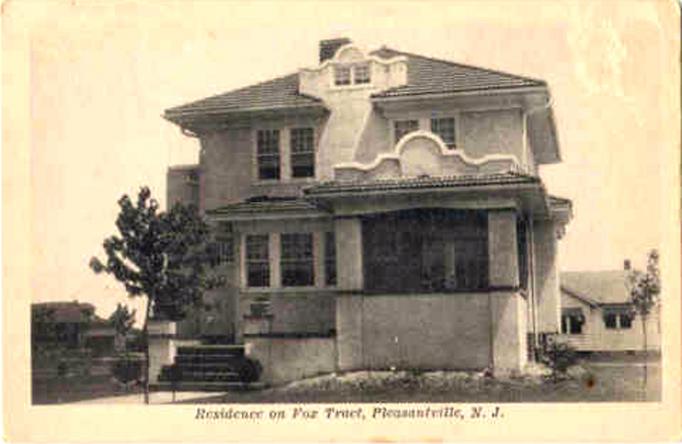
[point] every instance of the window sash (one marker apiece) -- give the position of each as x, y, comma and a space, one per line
302, 152
268, 154
330, 258
342, 75
361, 73
297, 265
257, 260
403, 127
445, 129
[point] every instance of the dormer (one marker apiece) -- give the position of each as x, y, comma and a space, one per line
344, 66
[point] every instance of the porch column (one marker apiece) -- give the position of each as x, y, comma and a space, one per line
507, 307
349, 265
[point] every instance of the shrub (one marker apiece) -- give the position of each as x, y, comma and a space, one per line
249, 370
558, 356
126, 369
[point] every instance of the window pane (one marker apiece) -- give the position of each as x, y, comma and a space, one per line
296, 263
268, 154
576, 325
445, 129
257, 261
342, 75
625, 321
403, 127
302, 152
330, 258
610, 320
362, 73
564, 324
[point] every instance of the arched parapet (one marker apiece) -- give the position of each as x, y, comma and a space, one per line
423, 153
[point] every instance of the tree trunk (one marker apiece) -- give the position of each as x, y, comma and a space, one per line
646, 355
145, 338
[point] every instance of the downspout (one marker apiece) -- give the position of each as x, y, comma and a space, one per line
531, 284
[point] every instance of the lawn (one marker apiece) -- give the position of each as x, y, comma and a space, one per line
591, 382
57, 390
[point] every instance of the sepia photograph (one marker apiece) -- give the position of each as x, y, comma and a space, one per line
277, 212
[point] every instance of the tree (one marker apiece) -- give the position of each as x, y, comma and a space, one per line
123, 320
164, 257
645, 288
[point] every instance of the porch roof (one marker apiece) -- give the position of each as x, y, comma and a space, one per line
424, 182
263, 206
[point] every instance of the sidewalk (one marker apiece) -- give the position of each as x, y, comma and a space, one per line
138, 398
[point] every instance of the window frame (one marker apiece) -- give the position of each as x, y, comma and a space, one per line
248, 261
394, 128
330, 263
312, 152
434, 119
294, 264
260, 155
346, 67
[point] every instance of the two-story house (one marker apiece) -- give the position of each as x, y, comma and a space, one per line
379, 210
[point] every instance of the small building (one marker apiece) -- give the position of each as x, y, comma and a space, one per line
379, 209
597, 315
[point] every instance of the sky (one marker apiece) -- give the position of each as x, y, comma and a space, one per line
101, 74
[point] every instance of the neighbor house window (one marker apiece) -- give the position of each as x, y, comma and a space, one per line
572, 321
257, 260
302, 152
330, 258
361, 73
342, 75
296, 263
445, 129
268, 154
617, 319
403, 127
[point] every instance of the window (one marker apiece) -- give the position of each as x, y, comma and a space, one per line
403, 127
572, 321
342, 75
257, 261
617, 319
268, 154
296, 262
445, 129
424, 250
361, 73
302, 152
225, 243
330, 258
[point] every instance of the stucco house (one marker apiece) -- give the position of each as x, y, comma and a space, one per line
376, 210
597, 315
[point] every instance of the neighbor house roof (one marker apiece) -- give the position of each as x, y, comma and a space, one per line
425, 75
338, 187
68, 312
602, 287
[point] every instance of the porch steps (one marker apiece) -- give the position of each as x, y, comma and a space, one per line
209, 368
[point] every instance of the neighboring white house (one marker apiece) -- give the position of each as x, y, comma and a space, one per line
596, 314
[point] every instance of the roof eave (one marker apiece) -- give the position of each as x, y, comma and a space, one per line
381, 98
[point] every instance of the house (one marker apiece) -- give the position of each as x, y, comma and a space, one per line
597, 315
72, 325
377, 210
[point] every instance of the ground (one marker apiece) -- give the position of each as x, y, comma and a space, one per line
594, 380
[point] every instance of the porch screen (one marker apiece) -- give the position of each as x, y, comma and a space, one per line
430, 250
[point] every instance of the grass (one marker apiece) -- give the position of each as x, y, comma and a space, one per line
610, 382
57, 390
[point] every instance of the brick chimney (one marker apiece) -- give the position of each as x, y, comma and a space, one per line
627, 265
329, 47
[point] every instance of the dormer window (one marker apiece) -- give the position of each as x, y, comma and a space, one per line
445, 129
361, 73
342, 75
355, 74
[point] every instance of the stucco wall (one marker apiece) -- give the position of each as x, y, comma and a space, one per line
179, 187
290, 359
492, 132
546, 277
444, 331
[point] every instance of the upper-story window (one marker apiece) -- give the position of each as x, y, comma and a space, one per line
268, 154
445, 129
296, 262
353, 74
302, 152
403, 127
617, 319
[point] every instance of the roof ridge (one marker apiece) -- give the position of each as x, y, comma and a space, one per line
464, 65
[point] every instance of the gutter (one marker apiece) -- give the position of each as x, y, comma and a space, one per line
445, 95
